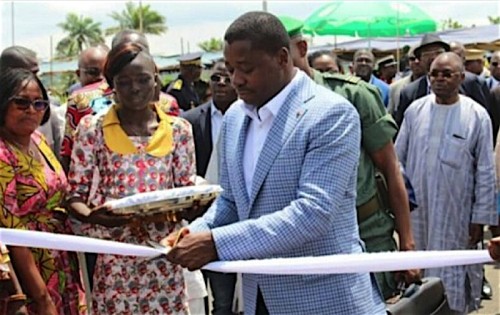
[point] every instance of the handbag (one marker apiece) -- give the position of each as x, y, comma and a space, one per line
428, 297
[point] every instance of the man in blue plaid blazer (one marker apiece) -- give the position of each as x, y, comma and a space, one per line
288, 169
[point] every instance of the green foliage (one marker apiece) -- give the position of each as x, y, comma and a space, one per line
59, 84
494, 19
212, 45
450, 24
82, 32
130, 18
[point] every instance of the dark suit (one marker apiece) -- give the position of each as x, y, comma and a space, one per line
185, 93
472, 86
201, 120
222, 284
495, 111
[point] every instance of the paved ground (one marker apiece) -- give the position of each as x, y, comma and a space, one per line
491, 307
492, 271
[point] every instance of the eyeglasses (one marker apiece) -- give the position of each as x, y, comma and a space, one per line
216, 78
92, 71
445, 73
25, 103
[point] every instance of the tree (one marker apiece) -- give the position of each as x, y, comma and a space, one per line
494, 19
450, 24
213, 44
130, 18
82, 32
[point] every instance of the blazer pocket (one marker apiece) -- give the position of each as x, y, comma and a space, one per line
454, 152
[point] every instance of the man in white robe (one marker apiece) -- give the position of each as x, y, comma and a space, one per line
445, 145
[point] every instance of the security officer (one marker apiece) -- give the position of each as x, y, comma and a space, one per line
188, 89
376, 222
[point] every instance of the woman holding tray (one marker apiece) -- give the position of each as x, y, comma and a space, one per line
32, 183
134, 148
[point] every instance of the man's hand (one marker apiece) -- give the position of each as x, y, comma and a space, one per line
408, 276
475, 234
193, 251
494, 248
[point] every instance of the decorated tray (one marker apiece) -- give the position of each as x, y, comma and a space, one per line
164, 201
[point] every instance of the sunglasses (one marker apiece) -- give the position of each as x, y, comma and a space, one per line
445, 73
216, 78
25, 103
92, 71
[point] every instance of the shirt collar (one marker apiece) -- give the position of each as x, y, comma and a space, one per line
272, 107
160, 143
214, 110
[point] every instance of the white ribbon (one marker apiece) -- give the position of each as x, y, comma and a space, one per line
66, 242
332, 264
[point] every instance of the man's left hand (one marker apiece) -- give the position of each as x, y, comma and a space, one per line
475, 234
194, 251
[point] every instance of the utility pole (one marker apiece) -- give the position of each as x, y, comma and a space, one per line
140, 16
51, 60
12, 21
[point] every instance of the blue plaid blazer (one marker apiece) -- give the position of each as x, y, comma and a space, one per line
302, 203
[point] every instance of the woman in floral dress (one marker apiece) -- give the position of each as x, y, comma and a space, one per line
133, 148
32, 185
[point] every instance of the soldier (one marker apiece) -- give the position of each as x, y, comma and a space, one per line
188, 89
379, 212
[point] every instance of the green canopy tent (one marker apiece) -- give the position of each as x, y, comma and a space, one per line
370, 19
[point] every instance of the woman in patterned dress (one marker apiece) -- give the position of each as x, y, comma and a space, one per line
32, 185
133, 148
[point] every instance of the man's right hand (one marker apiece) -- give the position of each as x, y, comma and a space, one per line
494, 248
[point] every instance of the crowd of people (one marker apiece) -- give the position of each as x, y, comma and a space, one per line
312, 162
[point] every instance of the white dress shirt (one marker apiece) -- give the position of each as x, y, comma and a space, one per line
216, 120
259, 126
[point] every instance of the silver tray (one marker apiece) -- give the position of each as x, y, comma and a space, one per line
172, 205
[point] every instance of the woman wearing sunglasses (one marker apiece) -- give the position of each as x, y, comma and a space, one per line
32, 186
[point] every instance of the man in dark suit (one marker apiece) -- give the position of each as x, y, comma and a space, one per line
430, 47
206, 121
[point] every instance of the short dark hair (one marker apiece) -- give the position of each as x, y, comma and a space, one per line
16, 57
264, 31
363, 51
12, 81
120, 56
320, 53
121, 37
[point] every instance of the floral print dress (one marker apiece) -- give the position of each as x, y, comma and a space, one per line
132, 285
30, 193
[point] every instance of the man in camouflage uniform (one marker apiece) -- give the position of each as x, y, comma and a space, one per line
379, 214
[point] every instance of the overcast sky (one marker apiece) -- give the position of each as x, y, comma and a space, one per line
192, 21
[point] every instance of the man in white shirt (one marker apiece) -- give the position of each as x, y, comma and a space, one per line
206, 121
288, 168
